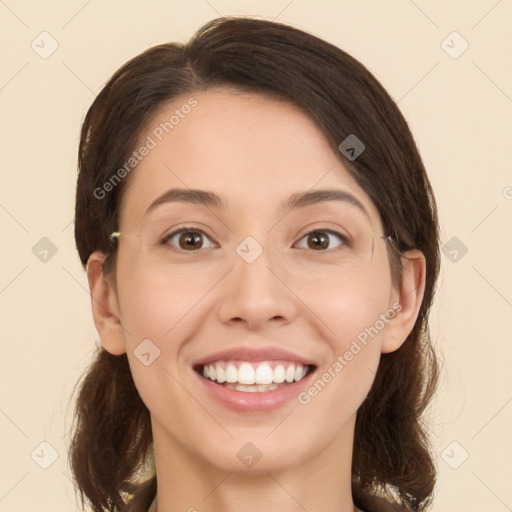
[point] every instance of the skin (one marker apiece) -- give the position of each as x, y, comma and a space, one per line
254, 152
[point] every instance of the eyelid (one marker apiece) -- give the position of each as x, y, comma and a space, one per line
344, 238
185, 229
306, 231
311, 228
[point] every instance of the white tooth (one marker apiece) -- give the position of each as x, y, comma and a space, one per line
290, 373
221, 374
260, 388
279, 374
211, 372
205, 371
250, 389
231, 373
263, 374
304, 371
298, 372
246, 374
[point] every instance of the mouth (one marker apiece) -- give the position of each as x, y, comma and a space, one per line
254, 377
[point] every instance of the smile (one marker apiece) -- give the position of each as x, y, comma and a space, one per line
253, 377
254, 380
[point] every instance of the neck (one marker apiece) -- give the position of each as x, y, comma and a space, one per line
321, 482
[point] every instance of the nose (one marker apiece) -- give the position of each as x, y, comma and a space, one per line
256, 294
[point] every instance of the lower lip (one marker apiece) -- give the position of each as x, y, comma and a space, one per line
258, 401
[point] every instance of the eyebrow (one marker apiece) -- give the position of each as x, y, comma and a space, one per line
295, 201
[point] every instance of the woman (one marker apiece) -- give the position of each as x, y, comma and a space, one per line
261, 244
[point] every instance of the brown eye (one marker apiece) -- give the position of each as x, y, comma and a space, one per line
189, 239
319, 240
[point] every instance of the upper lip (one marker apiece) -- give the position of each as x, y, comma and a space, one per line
250, 354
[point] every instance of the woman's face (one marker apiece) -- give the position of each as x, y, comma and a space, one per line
256, 283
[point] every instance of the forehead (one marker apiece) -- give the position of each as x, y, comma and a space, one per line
251, 150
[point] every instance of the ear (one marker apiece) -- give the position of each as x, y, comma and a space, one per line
105, 307
409, 298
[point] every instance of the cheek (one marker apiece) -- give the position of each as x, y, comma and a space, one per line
350, 321
155, 300
162, 307
347, 306
155, 316
348, 313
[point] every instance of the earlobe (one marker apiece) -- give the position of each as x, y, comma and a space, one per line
410, 297
105, 308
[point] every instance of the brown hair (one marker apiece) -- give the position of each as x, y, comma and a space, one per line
111, 446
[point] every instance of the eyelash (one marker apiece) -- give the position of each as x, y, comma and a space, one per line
344, 239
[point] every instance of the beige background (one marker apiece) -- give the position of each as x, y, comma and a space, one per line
460, 110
